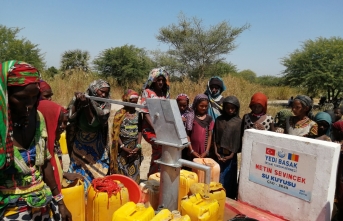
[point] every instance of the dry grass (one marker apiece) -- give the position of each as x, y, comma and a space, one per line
64, 89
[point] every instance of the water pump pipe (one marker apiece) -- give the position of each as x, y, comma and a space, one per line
198, 166
171, 135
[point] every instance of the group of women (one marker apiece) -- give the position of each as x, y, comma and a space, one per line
30, 156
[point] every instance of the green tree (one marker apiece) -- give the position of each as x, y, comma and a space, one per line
317, 66
248, 75
14, 48
268, 80
195, 47
75, 60
127, 64
51, 72
164, 59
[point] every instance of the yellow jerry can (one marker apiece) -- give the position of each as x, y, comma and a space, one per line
166, 215
199, 208
101, 206
63, 143
187, 178
133, 212
214, 191
74, 199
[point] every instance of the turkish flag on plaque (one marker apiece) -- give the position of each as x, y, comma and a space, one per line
270, 151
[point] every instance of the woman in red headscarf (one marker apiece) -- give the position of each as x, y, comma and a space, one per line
258, 117
56, 119
126, 151
45, 91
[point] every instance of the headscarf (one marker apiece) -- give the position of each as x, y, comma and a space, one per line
227, 129
44, 86
217, 81
96, 85
215, 103
338, 125
306, 101
129, 94
185, 97
323, 116
12, 73
153, 75
190, 116
102, 108
117, 121
182, 97
51, 112
281, 117
259, 98
231, 100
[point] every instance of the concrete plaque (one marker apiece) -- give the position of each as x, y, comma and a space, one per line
283, 170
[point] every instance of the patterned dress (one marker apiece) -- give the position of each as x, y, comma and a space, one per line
23, 193
265, 120
303, 128
129, 129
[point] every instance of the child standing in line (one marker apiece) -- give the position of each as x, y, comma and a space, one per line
300, 124
258, 118
338, 113
227, 143
199, 127
183, 104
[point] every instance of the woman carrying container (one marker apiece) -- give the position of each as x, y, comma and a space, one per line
89, 154
28, 190
126, 151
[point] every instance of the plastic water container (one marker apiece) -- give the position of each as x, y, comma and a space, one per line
63, 143
214, 191
130, 184
215, 169
166, 215
187, 178
101, 206
133, 212
74, 199
199, 208
151, 191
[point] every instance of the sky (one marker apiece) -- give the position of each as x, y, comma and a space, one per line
277, 27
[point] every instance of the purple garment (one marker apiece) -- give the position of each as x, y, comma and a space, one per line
199, 134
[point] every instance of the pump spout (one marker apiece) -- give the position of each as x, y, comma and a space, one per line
198, 166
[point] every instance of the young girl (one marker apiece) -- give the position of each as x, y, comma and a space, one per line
300, 124
227, 143
324, 122
258, 117
183, 104
199, 128
338, 113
